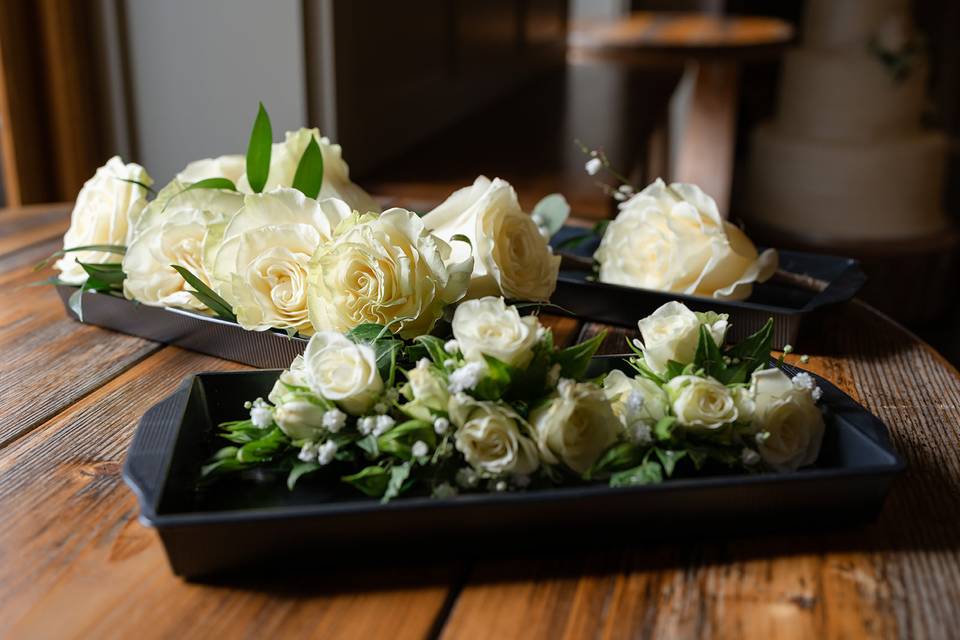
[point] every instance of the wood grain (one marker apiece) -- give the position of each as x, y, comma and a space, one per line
898, 577
73, 527
74, 561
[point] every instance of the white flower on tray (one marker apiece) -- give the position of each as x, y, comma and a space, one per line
384, 269
489, 327
575, 426
511, 257
672, 333
105, 213
672, 238
493, 438
342, 371
788, 419
260, 266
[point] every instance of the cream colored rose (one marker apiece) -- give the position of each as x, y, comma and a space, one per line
175, 240
672, 333
231, 167
427, 388
492, 437
106, 212
788, 413
285, 157
575, 426
673, 239
701, 403
340, 370
384, 269
511, 258
489, 327
292, 378
261, 264
637, 402
300, 415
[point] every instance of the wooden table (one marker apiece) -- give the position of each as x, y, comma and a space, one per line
703, 119
75, 562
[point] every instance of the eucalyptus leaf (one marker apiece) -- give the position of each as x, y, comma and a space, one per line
553, 210
102, 248
206, 295
309, 176
298, 471
259, 150
397, 482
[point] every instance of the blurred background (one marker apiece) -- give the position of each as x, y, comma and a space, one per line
825, 125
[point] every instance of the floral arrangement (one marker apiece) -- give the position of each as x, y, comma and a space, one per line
672, 238
282, 239
499, 407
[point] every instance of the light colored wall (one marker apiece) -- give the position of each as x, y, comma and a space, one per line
198, 68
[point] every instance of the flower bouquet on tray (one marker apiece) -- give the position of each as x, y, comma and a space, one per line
500, 408
282, 241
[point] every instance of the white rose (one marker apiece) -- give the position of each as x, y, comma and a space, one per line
289, 380
511, 258
489, 327
285, 157
673, 239
672, 333
174, 230
106, 211
384, 269
340, 370
637, 401
230, 167
300, 416
261, 264
426, 387
576, 426
492, 437
790, 416
701, 403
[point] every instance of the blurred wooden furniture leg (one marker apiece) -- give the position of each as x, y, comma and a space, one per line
704, 152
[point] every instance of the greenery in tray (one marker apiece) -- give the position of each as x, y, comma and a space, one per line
500, 408
282, 239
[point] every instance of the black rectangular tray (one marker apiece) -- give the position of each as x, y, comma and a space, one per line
226, 524
830, 279
262, 349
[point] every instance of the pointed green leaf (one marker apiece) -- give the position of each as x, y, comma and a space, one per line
102, 248
708, 355
668, 459
370, 480
109, 274
397, 482
258, 151
299, 470
146, 187
206, 295
309, 176
646, 473
574, 360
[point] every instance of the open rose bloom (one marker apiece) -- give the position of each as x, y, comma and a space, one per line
672, 238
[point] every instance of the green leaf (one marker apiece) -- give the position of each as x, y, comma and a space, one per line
708, 355
668, 459
396, 484
227, 465
370, 480
300, 469
646, 473
753, 353
368, 332
109, 274
258, 151
575, 241
434, 347
209, 183
265, 448
102, 248
495, 382
574, 360
553, 210
369, 445
663, 430
206, 295
309, 176
146, 187
399, 440
618, 457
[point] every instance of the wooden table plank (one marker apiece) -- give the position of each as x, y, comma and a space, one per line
49, 360
22, 227
72, 544
897, 577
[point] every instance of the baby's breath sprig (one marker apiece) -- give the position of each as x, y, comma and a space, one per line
599, 161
